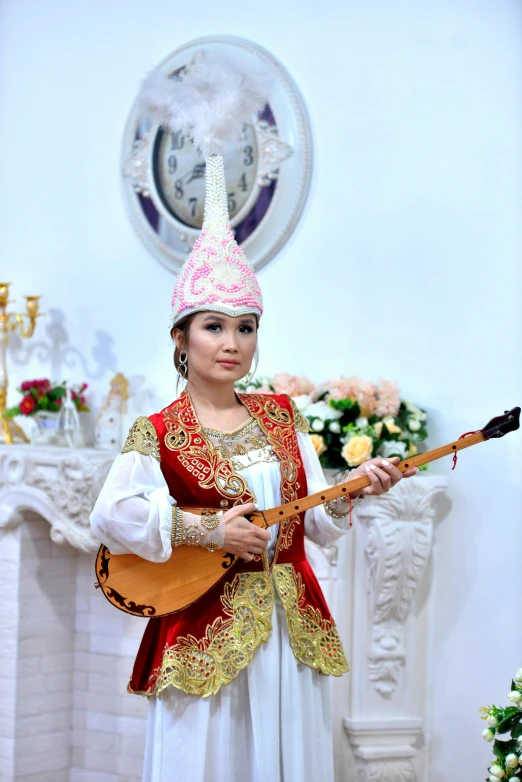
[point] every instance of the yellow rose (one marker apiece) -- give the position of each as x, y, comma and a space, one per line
391, 426
318, 443
412, 451
357, 450
378, 429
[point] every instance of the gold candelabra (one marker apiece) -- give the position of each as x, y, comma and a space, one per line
9, 322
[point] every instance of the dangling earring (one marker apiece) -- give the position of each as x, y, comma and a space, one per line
183, 364
248, 377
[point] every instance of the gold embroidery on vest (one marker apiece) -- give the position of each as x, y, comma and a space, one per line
281, 436
198, 456
315, 641
201, 666
300, 422
142, 438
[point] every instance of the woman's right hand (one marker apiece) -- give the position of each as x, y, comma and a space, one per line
243, 538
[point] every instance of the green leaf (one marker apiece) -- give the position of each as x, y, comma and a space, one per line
516, 732
11, 412
508, 722
503, 748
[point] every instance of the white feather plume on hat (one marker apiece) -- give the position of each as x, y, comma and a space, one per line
210, 103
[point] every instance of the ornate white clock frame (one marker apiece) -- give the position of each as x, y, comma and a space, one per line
377, 581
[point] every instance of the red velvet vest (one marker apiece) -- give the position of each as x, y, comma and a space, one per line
207, 644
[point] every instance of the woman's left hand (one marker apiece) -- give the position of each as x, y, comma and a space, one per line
383, 474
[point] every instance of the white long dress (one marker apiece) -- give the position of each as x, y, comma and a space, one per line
272, 723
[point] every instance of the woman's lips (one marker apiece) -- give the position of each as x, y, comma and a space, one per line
228, 363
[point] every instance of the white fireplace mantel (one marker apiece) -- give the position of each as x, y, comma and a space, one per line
59, 484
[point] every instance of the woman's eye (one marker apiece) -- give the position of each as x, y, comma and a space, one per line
246, 329
213, 327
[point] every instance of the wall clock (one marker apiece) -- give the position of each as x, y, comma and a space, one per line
268, 173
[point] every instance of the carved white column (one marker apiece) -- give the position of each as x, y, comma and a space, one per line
390, 630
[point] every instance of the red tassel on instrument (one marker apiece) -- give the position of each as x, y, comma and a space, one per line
462, 436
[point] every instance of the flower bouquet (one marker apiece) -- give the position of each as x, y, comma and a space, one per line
42, 395
507, 752
52, 410
352, 420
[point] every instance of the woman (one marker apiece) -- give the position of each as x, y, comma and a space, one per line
237, 681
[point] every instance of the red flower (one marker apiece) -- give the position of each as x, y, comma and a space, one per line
27, 405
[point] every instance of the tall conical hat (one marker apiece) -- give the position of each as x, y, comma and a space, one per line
211, 104
216, 276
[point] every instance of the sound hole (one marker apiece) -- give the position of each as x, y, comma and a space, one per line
405, 465
296, 507
323, 497
454, 447
281, 512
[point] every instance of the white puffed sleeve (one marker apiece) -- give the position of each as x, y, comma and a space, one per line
133, 514
319, 526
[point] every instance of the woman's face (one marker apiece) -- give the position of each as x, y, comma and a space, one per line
220, 348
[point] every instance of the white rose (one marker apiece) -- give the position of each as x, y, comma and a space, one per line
488, 734
414, 424
497, 771
335, 426
493, 722
318, 425
393, 448
321, 410
302, 401
361, 422
518, 675
251, 389
511, 760
515, 696
514, 779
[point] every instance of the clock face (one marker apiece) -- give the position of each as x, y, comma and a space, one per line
179, 175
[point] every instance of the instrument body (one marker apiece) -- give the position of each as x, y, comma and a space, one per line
151, 589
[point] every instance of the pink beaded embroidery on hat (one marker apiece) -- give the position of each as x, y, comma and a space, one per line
216, 276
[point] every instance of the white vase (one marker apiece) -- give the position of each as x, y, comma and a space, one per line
49, 430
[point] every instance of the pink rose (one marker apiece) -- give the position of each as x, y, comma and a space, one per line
284, 383
361, 391
342, 388
388, 399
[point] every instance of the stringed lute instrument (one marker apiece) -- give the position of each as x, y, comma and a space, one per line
147, 589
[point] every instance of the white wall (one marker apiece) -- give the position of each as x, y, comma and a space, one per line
407, 263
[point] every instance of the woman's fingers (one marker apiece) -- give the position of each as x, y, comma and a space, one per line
261, 534
239, 510
383, 474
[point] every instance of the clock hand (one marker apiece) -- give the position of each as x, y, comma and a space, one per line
198, 172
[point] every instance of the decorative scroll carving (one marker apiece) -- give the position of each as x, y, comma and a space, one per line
397, 547
59, 484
